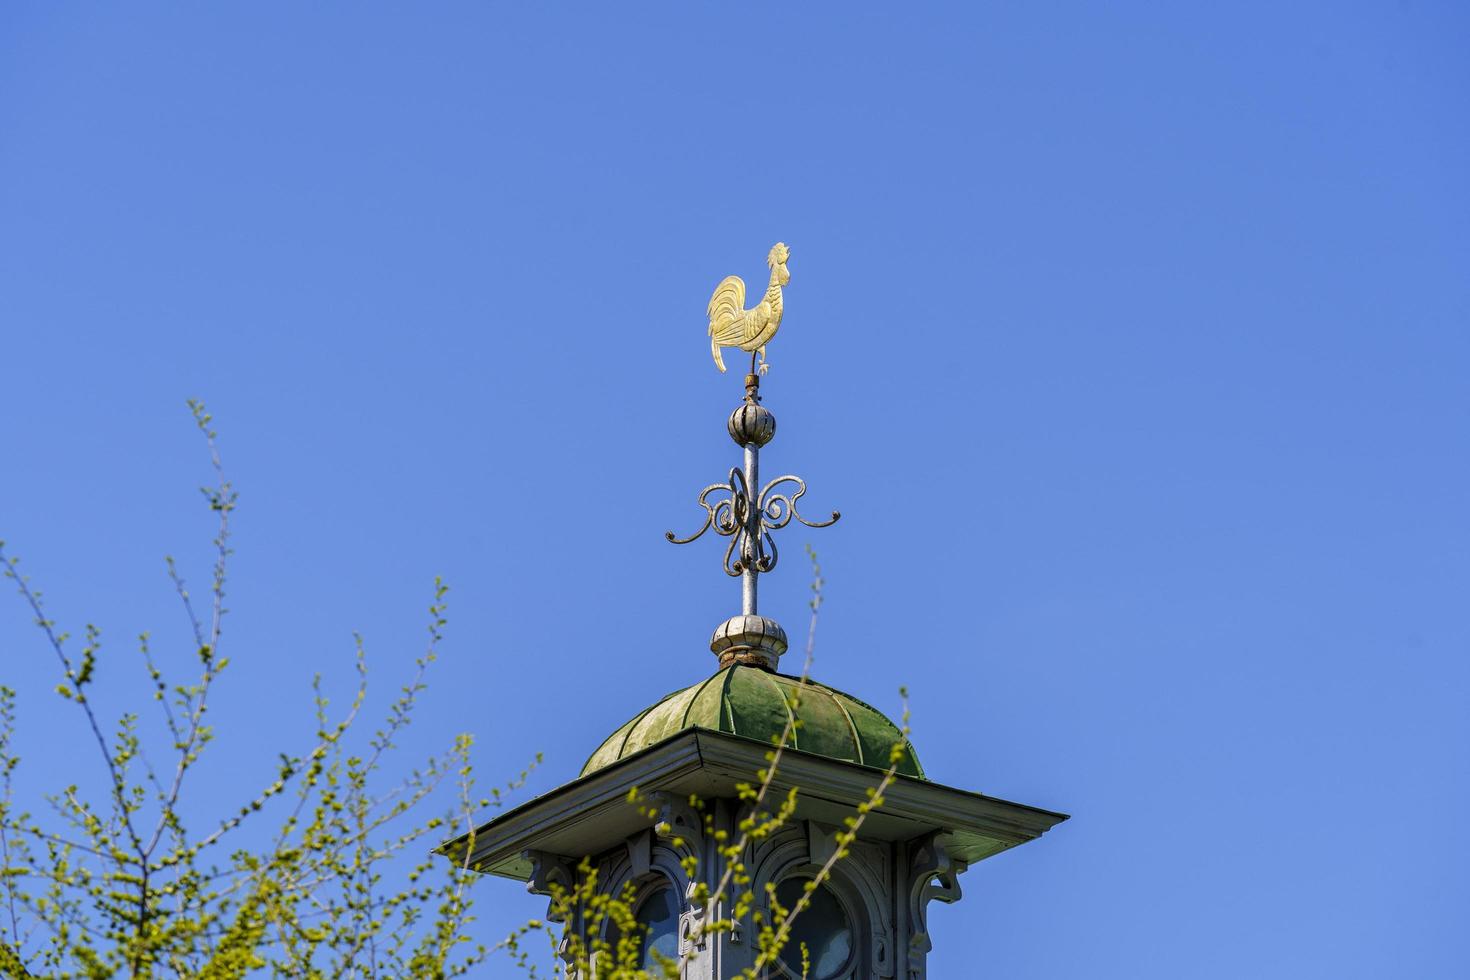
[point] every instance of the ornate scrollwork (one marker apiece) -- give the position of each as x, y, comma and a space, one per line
678, 824
933, 875
554, 877
751, 544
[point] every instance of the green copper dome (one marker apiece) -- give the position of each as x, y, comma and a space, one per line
752, 702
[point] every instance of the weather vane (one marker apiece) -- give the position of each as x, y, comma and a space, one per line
740, 508
732, 325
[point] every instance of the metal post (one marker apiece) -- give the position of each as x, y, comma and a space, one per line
736, 509
753, 527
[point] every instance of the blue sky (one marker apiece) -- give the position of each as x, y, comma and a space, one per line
1131, 342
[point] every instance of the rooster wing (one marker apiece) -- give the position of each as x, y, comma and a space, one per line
727, 317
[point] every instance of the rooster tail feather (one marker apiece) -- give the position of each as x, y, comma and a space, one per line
727, 317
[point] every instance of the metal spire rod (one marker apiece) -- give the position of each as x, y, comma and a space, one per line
746, 512
740, 508
750, 575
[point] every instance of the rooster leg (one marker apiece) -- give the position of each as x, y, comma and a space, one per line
764, 366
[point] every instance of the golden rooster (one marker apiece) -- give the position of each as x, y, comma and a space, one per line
732, 325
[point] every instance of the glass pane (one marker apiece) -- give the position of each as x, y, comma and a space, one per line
660, 916
822, 925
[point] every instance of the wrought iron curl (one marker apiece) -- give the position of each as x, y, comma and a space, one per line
725, 516
777, 509
730, 517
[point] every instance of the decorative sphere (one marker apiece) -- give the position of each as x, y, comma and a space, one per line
752, 424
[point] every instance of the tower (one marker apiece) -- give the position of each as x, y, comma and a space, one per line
686, 811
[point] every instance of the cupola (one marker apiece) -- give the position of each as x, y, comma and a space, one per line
661, 811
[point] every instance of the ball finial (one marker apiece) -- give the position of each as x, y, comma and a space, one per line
752, 424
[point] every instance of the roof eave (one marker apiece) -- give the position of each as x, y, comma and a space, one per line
592, 812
